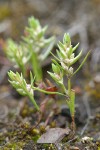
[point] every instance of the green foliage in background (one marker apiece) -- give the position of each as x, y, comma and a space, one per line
33, 49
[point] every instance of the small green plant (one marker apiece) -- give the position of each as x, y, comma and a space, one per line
62, 64
19, 83
33, 49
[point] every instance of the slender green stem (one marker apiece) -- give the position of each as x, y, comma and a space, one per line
31, 97
47, 92
23, 69
37, 70
69, 87
21, 65
82, 63
34, 102
63, 88
71, 103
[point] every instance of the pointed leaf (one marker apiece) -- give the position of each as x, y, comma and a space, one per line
32, 79
34, 23
74, 48
76, 58
66, 39
61, 46
70, 51
55, 62
82, 63
55, 56
54, 68
52, 75
60, 54
44, 29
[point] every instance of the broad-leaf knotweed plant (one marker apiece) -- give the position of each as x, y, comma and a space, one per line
33, 48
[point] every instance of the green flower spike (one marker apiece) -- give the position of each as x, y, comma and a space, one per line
19, 83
